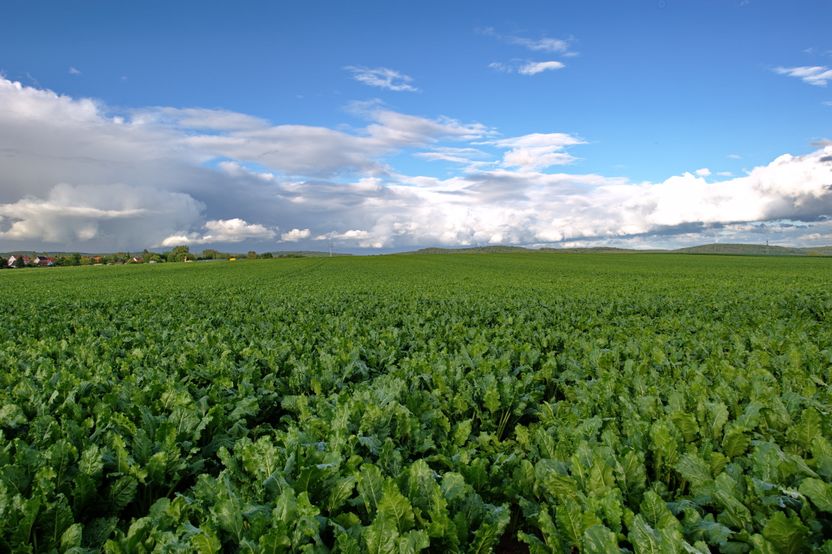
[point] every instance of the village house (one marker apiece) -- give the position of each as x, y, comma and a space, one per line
44, 261
15, 261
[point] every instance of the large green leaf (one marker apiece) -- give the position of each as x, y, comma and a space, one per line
787, 534
819, 493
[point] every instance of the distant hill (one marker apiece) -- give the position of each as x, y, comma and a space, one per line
726, 249
472, 250
305, 254
600, 250
756, 250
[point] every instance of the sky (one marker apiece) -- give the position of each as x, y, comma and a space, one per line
387, 126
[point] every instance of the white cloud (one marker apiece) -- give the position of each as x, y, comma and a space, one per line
537, 150
542, 44
502, 67
533, 68
734, 156
471, 158
358, 237
352, 234
828, 103
703, 172
321, 151
76, 175
382, 77
525, 67
725, 174
817, 75
199, 119
295, 235
530, 67
74, 71
100, 215
222, 231
235, 169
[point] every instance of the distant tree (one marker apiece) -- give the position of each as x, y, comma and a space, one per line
121, 257
252, 255
267, 256
178, 254
211, 254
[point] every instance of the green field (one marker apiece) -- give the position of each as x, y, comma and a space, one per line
506, 402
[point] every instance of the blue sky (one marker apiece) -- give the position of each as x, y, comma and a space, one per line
621, 97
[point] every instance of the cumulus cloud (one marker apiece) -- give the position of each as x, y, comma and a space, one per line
295, 235
703, 172
382, 77
104, 216
77, 175
816, 75
358, 237
537, 150
321, 151
504, 206
222, 231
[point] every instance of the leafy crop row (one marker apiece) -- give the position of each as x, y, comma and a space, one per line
542, 403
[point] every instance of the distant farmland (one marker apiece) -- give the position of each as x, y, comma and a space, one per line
501, 402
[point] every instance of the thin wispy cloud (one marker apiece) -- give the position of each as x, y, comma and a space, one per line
74, 70
525, 67
813, 51
382, 77
530, 67
542, 44
533, 68
816, 75
452, 154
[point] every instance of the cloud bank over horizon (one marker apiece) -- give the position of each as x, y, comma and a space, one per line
76, 174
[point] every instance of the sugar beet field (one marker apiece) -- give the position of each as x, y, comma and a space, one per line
447, 403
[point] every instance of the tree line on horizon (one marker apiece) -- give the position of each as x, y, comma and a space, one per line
176, 254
